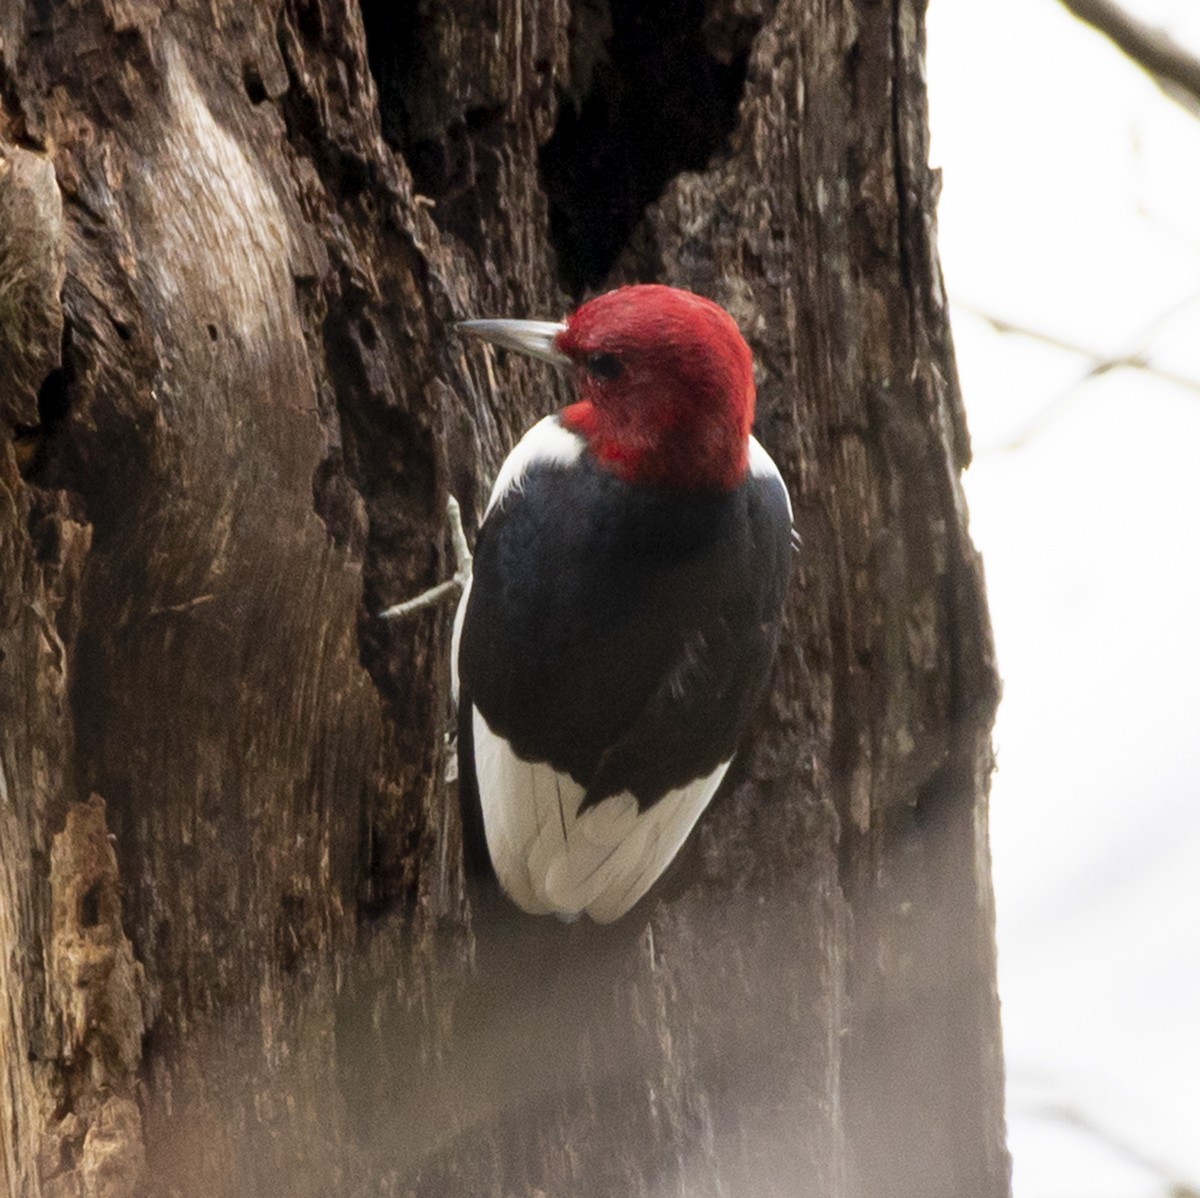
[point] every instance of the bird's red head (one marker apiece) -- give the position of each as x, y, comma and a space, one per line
666, 387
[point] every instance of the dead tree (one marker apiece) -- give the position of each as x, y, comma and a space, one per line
233, 242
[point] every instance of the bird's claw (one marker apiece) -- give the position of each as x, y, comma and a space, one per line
452, 586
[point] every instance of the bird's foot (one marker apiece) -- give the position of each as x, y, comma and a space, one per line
452, 586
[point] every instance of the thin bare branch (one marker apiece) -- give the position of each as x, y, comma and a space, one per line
1175, 69
1076, 1118
1098, 363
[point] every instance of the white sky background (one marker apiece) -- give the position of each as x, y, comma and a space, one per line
1071, 205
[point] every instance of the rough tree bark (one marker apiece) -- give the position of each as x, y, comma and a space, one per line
237, 956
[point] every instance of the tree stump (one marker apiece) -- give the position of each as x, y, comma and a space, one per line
233, 242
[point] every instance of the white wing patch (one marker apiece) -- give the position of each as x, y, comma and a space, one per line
551, 859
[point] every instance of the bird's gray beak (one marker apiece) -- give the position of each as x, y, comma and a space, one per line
532, 337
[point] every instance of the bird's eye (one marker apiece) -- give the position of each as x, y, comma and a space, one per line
605, 366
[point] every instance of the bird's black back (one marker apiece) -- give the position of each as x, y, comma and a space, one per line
623, 633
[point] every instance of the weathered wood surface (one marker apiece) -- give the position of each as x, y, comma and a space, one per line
232, 242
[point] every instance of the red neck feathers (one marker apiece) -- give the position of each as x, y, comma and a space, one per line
666, 387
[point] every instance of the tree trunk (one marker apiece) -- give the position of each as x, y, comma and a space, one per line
238, 953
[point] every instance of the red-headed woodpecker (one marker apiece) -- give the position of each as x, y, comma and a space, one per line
628, 588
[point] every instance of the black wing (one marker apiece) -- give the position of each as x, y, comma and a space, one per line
624, 634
